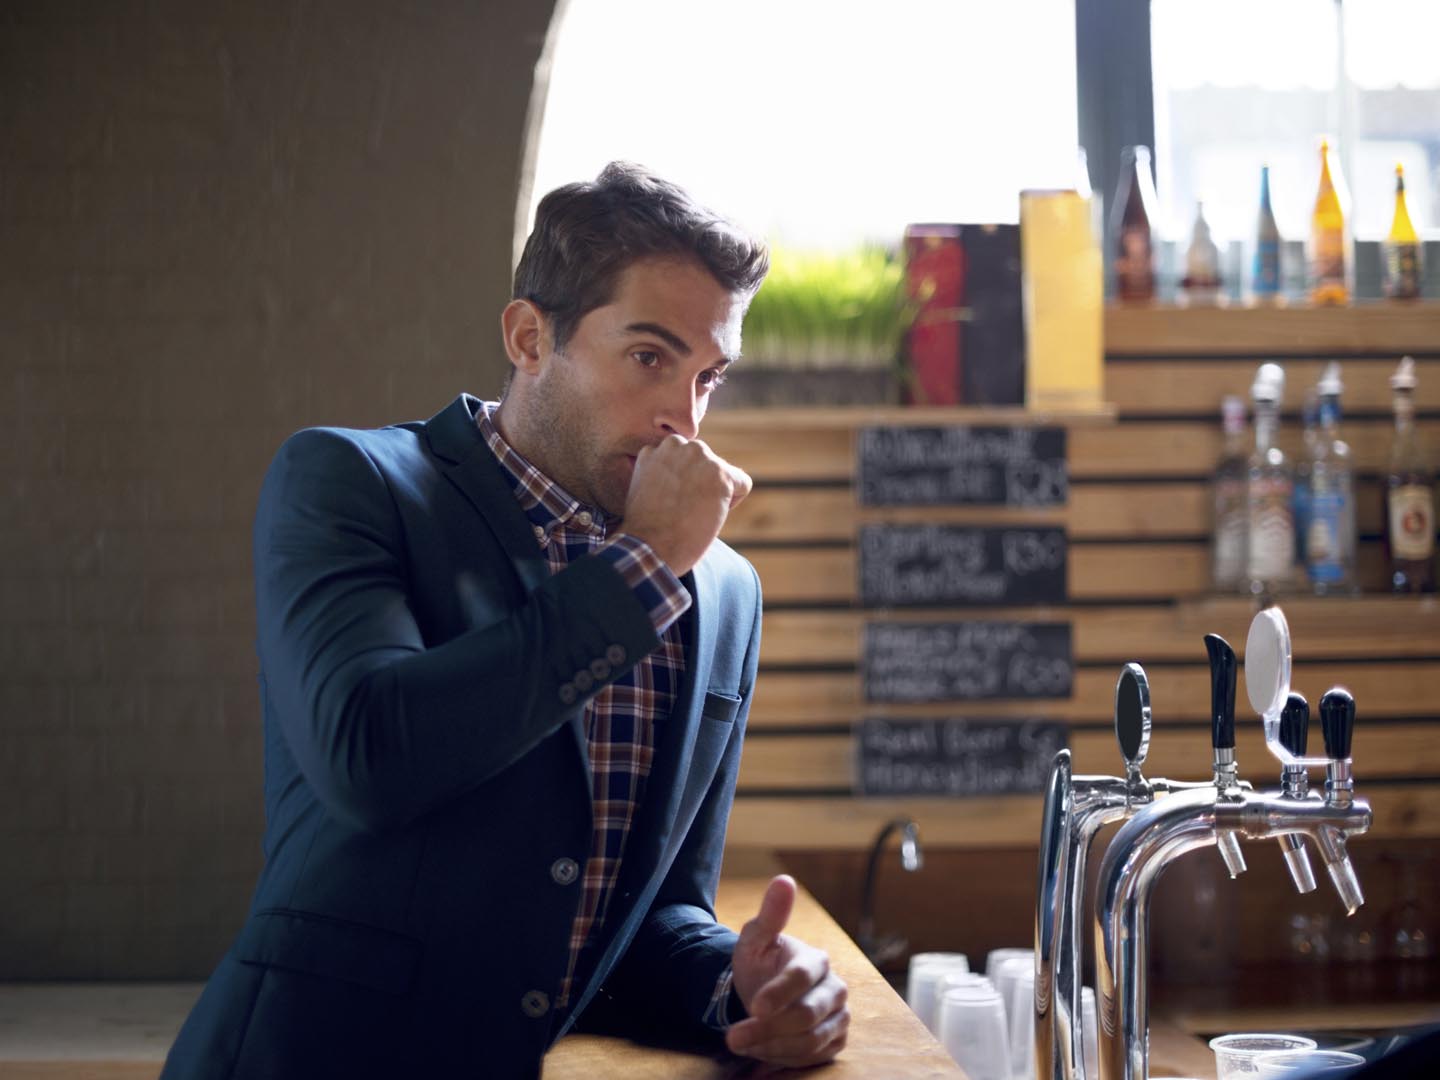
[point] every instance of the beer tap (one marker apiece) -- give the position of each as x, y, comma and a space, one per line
1337, 725
1076, 809
1223, 670
1295, 784
1161, 832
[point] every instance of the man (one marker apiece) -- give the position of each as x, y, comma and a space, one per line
506, 667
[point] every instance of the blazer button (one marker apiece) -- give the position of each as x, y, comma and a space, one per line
583, 681
615, 654
600, 669
568, 693
564, 871
535, 1004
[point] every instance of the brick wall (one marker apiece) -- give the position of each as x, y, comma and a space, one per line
219, 222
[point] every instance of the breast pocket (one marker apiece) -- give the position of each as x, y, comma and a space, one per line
720, 707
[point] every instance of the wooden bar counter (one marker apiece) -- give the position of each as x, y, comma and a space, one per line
886, 1038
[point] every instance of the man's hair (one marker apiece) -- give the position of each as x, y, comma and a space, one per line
586, 235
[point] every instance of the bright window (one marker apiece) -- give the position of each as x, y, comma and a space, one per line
1241, 83
819, 124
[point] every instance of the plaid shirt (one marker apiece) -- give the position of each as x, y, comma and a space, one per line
620, 721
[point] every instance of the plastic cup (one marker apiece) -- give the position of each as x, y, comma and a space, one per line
1089, 1032
1237, 1055
1297, 1063
995, 957
926, 971
972, 1030
1020, 1014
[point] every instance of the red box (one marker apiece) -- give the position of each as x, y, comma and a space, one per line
935, 280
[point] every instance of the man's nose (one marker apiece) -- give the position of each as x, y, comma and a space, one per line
680, 412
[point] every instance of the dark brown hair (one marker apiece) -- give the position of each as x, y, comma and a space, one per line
587, 233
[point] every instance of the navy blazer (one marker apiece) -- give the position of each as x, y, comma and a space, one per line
427, 790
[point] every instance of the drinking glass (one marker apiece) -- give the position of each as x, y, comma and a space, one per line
1235, 1055
972, 1029
1020, 1014
995, 957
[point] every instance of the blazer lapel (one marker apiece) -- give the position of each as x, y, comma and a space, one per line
455, 438
670, 768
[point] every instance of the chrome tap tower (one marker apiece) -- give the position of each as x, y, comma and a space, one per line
1163, 819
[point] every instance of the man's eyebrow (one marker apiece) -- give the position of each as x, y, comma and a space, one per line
674, 340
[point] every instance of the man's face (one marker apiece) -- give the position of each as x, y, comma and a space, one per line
635, 370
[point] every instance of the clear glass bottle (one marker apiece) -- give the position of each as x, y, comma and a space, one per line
1300, 502
1132, 224
1401, 250
1270, 553
1228, 489
1409, 494
1265, 277
1330, 533
1201, 283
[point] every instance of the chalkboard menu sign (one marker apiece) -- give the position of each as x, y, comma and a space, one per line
962, 466
915, 565
966, 661
955, 757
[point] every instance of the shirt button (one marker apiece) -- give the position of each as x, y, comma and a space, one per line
535, 1004
564, 871
568, 693
600, 669
615, 654
584, 680
539, 532
584, 518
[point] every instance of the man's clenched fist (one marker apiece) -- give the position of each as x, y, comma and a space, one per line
680, 495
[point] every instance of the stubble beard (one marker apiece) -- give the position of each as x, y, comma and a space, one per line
563, 447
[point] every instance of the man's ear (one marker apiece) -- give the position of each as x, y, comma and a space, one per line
522, 325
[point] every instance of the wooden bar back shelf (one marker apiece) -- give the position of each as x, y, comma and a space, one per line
1138, 525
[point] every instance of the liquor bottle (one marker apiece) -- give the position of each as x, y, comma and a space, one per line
1270, 552
1227, 564
1265, 280
1132, 242
1330, 533
1329, 255
1300, 500
1402, 249
1409, 494
1201, 283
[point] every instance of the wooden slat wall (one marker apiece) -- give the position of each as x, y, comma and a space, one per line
1138, 519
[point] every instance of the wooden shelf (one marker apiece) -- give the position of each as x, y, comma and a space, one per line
1297, 330
850, 418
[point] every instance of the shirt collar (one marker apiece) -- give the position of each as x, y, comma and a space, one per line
546, 504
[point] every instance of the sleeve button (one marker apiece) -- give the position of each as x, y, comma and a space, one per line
535, 1004
568, 693
615, 654
564, 871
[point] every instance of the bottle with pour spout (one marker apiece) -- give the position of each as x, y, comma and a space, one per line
1409, 494
1270, 555
1330, 531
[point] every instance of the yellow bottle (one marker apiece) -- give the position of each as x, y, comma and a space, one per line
1402, 248
1328, 253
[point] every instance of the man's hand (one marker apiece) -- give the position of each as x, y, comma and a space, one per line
797, 1006
680, 494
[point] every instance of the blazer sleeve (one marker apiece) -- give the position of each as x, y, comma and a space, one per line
384, 727
670, 970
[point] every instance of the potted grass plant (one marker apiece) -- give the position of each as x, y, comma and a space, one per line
824, 329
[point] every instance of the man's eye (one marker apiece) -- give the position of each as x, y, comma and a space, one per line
711, 379
647, 358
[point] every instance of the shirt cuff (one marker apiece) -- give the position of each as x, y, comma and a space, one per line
653, 583
724, 1008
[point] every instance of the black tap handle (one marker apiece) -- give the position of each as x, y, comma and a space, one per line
1295, 724
1337, 722
1223, 670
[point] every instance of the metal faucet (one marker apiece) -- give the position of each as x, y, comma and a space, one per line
1076, 809
1165, 830
880, 950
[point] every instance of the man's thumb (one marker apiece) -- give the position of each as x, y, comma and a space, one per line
775, 909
